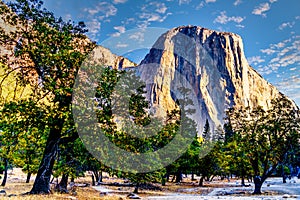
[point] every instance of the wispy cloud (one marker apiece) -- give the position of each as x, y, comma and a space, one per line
200, 5
268, 51
119, 1
121, 45
255, 60
184, 2
262, 8
224, 19
120, 29
286, 24
152, 12
291, 87
101, 12
210, 1
139, 37
237, 2
94, 27
285, 53
103, 9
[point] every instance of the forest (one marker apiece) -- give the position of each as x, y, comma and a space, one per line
38, 132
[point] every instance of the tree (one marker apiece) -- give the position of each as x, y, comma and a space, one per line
266, 136
24, 128
238, 162
48, 53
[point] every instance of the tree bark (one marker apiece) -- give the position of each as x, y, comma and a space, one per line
283, 174
243, 176
136, 189
62, 186
193, 176
243, 180
257, 185
100, 180
5, 172
28, 177
42, 181
201, 181
93, 179
178, 176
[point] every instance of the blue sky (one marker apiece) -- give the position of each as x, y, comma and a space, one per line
270, 28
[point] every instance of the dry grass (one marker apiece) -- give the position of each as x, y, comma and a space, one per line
82, 193
16, 185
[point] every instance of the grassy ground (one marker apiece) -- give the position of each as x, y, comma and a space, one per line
16, 185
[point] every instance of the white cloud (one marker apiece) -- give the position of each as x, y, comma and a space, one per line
152, 12
224, 19
237, 2
268, 51
104, 9
121, 45
129, 21
138, 37
116, 34
121, 29
255, 60
285, 53
210, 1
184, 2
280, 44
286, 24
94, 28
291, 87
261, 9
119, 1
240, 26
162, 9
200, 5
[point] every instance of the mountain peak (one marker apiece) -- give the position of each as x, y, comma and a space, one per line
198, 30
215, 66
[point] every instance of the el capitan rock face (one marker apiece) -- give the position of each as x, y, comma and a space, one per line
215, 66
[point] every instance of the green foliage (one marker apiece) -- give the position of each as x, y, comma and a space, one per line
47, 55
23, 133
265, 138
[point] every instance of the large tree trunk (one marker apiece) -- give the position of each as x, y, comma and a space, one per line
201, 181
42, 181
243, 180
193, 176
136, 189
100, 180
93, 180
5, 172
178, 176
257, 185
283, 174
243, 176
62, 186
28, 177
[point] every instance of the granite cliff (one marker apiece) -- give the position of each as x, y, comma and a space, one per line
215, 66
